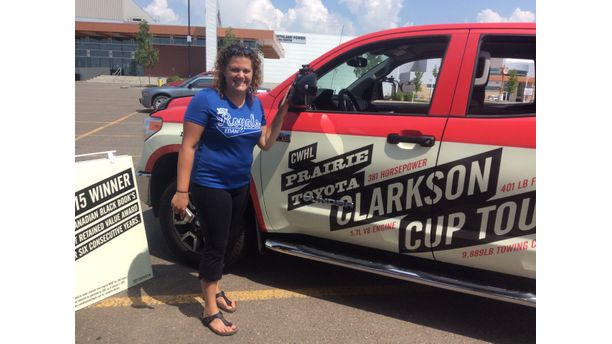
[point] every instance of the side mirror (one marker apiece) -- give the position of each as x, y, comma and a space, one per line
304, 88
190, 85
389, 87
358, 62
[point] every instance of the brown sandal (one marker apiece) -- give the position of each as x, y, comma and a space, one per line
227, 301
207, 320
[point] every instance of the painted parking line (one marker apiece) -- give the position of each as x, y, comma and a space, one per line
106, 126
117, 135
104, 122
250, 295
90, 122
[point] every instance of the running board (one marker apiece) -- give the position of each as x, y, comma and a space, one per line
462, 286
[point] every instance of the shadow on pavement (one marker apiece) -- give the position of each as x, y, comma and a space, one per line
155, 239
173, 285
462, 314
169, 278
471, 316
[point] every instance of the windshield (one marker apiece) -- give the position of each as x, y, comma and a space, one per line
344, 75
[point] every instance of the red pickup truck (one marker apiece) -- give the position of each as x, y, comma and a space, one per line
408, 153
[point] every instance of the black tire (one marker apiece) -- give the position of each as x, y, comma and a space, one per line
186, 241
157, 101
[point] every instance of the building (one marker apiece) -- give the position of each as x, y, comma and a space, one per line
105, 43
115, 11
300, 48
107, 48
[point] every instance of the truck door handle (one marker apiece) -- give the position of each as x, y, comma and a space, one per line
422, 140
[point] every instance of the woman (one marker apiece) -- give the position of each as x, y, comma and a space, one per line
221, 127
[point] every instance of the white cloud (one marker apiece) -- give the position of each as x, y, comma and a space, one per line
375, 15
490, 16
313, 16
158, 9
306, 16
262, 13
255, 14
522, 16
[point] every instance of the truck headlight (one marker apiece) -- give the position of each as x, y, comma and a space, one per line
152, 125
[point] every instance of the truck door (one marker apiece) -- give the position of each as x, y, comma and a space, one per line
357, 163
488, 157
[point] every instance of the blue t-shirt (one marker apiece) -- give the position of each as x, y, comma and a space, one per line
225, 152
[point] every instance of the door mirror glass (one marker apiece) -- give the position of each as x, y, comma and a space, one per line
389, 88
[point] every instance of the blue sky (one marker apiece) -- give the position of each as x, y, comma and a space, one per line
352, 17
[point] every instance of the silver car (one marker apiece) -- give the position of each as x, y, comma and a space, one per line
152, 97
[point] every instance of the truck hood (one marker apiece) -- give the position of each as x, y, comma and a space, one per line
175, 109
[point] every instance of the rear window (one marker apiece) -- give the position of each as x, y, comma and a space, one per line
505, 81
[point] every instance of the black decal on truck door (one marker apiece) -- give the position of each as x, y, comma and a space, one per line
464, 225
324, 180
471, 180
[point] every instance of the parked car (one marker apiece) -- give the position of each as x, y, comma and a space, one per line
178, 82
440, 191
152, 97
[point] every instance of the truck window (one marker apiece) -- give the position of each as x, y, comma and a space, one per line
504, 81
389, 77
415, 81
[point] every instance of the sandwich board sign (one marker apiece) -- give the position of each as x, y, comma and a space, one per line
110, 244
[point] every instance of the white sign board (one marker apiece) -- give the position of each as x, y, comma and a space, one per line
291, 39
110, 244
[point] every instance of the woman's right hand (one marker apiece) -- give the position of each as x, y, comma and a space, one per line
179, 203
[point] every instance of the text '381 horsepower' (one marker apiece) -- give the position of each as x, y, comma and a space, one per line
105, 210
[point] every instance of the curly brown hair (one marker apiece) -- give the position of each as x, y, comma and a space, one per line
223, 58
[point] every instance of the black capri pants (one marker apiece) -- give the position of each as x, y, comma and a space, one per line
220, 211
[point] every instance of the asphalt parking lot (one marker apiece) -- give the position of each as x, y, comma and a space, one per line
281, 299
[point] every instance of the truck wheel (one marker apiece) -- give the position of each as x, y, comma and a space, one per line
186, 240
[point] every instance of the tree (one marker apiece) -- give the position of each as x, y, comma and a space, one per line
399, 95
146, 55
435, 72
512, 83
417, 82
229, 38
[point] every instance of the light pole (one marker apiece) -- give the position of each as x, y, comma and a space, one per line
189, 38
526, 89
504, 71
